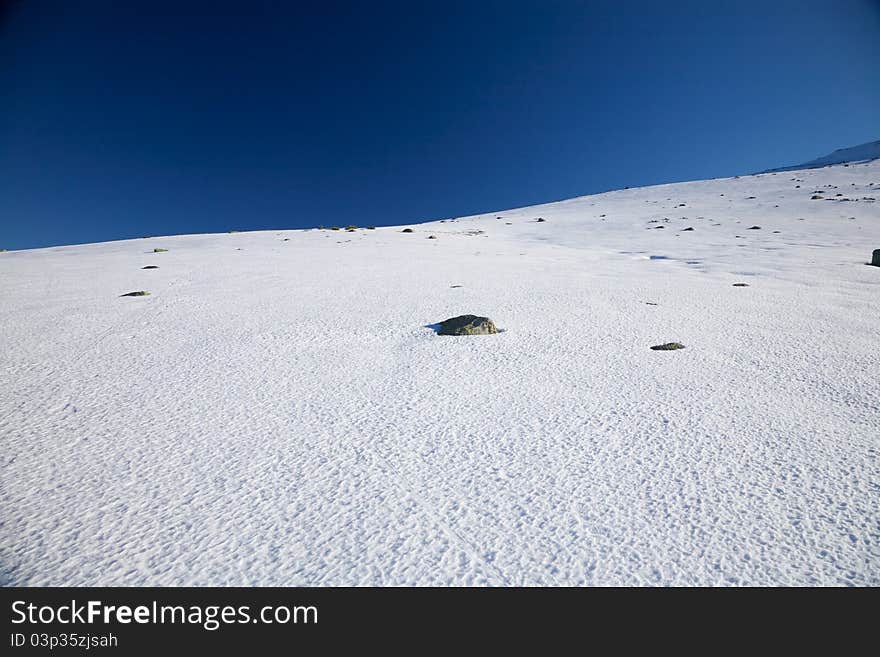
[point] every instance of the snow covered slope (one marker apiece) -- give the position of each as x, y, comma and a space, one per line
860, 153
277, 411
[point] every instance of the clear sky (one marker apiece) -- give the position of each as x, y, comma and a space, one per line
123, 119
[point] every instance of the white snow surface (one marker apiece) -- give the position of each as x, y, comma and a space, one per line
278, 412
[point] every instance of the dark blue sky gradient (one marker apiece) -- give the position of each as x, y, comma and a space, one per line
122, 119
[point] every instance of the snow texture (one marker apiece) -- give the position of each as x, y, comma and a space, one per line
278, 410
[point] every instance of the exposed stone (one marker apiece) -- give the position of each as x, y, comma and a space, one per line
150, 267
139, 293
875, 258
668, 346
467, 325
159, 250
740, 285
407, 230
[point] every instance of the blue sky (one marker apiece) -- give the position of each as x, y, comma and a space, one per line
123, 119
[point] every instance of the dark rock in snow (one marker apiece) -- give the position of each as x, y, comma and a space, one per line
740, 285
407, 230
875, 258
467, 325
150, 267
668, 346
139, 293
754, 228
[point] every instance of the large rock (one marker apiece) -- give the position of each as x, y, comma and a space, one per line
467, 325
875, 258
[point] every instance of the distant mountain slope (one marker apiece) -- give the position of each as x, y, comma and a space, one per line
860, 153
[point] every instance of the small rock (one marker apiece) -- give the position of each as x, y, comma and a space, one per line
754, 228
150, 267
159, 250
668, 346
815, 197
684, 230
432, 237
456, 286
407, 230
467, 325
740, 285
540, 219
875, 258
139, 293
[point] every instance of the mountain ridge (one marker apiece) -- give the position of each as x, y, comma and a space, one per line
861, 153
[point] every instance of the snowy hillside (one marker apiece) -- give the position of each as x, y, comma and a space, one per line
860, 153
278, 412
